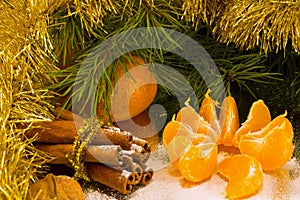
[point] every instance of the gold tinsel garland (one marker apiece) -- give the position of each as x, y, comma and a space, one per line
202, 10
24, 60
271, 25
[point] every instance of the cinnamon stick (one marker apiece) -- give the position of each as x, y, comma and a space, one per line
138, 173
147, 176
66, 114
107, 154
116, 136
65, 132
141, 142
53, 132
122, 181
138, 158
140, 154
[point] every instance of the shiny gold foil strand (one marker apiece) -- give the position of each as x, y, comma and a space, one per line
25, 40
266, 24
92, 12
24, 60
205, 10
21, 21
25, 74
19, 162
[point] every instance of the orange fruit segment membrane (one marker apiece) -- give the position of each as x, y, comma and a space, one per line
229, 121
244, 174
198, 162
272, 146
279, 121
177, 136
259, 116
177, 147
189, 116
208, 111
175, 128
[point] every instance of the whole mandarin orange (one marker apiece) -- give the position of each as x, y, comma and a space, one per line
133, 91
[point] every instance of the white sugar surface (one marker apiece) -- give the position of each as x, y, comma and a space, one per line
168, 184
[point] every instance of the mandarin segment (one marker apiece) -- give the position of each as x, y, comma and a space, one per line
229, 121
196, 165
189, 116
175, 128
279, 121
177, 136
244, 175
259, 116
208, 111
177, 147
273, 150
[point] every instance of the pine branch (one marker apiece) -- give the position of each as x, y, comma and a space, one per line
149, 14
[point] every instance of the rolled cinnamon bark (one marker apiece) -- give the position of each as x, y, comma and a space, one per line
141, 142
116, 136
121, 181
60, 131
140, 154
147, 176
66, 114
106, 154
139, 158
53, 132
138, 173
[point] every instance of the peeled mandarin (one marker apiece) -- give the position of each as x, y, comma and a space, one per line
175, 128
244, 175
208, 111
198, 162
177, 136
259, 116
272, 150
189, 116
279, 121
177, 147
229, 121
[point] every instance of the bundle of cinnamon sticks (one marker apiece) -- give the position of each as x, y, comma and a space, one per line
114, 158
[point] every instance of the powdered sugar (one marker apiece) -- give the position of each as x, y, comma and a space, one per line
168, 184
